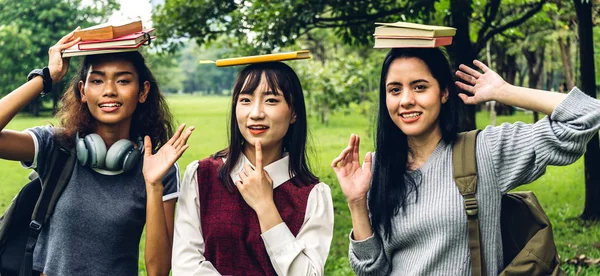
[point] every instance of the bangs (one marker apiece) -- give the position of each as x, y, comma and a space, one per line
250, 81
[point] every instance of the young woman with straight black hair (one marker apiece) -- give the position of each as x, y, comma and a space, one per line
255, 208
408, 216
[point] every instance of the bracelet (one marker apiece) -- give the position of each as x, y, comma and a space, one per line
47, 79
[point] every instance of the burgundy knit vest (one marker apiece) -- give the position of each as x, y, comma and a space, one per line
230, 228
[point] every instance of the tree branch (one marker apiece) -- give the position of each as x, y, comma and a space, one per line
514, 23
491, 12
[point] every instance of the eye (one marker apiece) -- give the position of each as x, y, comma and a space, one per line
272, 100
395, 90
243, 100
124, 81
420, 87
96, 81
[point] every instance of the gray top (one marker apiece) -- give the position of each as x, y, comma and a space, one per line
430, 237
98, 220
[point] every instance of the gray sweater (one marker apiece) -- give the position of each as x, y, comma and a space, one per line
430, 236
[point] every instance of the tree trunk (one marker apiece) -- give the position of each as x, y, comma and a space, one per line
535, 67
565, 55
463, 52
588, 84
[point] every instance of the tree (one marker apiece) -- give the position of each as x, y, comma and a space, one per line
268, 25
44, 22
583, 8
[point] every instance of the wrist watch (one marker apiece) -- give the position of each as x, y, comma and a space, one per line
45, 74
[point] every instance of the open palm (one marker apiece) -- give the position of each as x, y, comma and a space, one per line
158, 164
354, 180
482, 86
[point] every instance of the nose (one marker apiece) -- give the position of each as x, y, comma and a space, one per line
407, 99
257, 112
110, 89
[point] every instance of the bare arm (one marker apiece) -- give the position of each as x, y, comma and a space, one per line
159, 215
18, 145
490, 86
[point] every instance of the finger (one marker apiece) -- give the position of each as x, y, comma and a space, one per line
67, 37
184, 138
465, 87
268, 177
468, 70
67, 45
176, 135
147, 146
481, 66
181, 150
368, 164
248, 169
355, 156
259, 164
243, 177
239, 184
468, 78
466, 99
334, 163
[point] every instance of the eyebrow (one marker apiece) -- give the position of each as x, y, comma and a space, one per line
118, 74
268, 92
412, 82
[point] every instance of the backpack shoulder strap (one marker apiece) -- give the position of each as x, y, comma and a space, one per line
61, 162
464, 169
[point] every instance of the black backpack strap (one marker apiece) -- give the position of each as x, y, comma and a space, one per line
464, 169
62, 162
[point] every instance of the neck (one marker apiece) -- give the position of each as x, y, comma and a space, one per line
269, 154
112, 133
421, 147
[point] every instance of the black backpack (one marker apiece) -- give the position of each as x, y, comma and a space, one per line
22, 222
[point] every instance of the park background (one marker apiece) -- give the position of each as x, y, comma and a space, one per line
545, 44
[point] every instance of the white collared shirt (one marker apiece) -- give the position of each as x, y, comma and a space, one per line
304, 254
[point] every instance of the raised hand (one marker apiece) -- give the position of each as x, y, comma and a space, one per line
158, 164
355, 180
57, 65
255, 185
483, 86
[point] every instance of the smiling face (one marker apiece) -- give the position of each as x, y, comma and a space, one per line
413, 98
263, 114
112, 92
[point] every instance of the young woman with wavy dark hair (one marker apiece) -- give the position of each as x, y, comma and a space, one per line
407, 214
255, 208
125, 175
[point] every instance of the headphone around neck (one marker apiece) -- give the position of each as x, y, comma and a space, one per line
122, 156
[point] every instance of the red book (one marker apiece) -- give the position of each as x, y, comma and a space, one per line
133, 40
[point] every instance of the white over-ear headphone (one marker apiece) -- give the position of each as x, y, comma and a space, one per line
122, 156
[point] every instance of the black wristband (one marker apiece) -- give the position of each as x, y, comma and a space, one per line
47, 79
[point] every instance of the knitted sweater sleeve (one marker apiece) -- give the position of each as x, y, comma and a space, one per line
520, 152
367, 257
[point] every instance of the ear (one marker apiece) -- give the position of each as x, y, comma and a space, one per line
81, 87
293, 120
144, 92
445, 95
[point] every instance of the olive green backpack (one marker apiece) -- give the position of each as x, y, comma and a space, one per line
527, 241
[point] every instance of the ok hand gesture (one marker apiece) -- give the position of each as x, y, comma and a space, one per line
355, 180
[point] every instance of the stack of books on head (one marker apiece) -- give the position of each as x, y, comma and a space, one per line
110, 38
411, 35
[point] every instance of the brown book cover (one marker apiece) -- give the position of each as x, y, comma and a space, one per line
109, 31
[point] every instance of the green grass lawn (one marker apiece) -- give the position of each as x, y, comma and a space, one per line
561, 190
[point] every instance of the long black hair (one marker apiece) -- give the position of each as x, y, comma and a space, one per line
279, 77
391, 183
